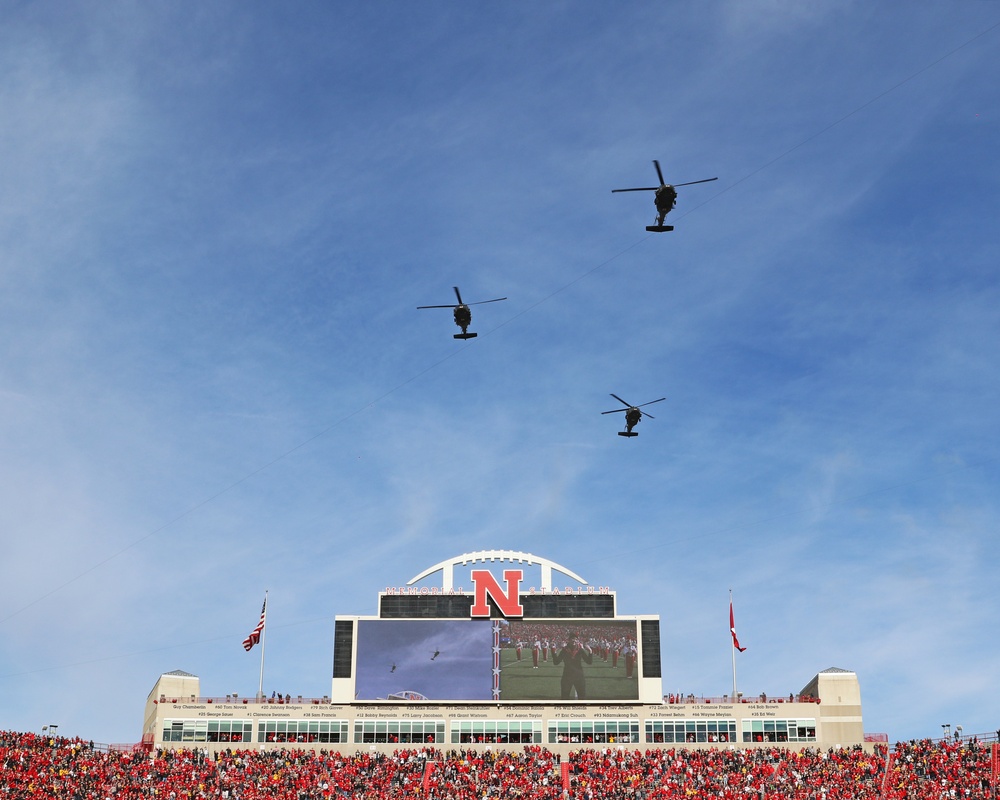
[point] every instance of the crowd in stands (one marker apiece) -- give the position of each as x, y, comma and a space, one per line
557, 634
35, 766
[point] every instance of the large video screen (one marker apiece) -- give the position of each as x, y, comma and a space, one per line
505, 660
424, 660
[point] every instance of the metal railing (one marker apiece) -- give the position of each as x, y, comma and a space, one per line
235, 699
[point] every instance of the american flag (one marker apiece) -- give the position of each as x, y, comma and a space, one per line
254, 636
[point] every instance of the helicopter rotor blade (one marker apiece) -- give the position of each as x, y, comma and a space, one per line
659, 174
615, 411
692, 183
651, 402
622, 401
637, 189
450, 306
458, 295
486, 301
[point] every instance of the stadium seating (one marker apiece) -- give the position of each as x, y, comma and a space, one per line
38, 766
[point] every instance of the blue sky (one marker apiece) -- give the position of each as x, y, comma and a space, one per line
216, 224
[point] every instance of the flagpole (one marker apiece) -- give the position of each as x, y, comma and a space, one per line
263, 640
732, 646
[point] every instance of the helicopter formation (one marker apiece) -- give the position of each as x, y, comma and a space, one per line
665, 200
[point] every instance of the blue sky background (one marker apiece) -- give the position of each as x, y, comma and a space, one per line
216, 224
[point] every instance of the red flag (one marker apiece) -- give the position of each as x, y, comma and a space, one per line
254, 637
732, 628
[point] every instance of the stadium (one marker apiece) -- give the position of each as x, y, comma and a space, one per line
536, 692
487, 666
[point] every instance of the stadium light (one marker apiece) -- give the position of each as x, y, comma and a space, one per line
946, 728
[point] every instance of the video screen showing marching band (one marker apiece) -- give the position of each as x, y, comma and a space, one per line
569, 660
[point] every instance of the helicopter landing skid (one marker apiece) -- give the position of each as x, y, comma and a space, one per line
465, 335
630, 433
659, 228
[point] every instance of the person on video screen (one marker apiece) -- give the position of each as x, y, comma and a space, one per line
572, 657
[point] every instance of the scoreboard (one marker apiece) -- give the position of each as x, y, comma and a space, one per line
460, 606
494, 644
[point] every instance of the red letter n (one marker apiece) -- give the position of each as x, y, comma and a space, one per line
485, 584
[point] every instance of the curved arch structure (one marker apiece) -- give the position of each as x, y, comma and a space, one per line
447, 568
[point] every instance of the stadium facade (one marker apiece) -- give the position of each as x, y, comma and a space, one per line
514, 660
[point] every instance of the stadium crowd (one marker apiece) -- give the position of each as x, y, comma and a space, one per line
36, 766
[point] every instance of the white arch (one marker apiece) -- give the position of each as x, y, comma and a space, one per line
447, 568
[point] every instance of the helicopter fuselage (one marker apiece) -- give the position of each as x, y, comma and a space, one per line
463, 317
665, 199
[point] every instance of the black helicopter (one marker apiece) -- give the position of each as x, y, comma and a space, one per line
463, 314
632, 414
665, 199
